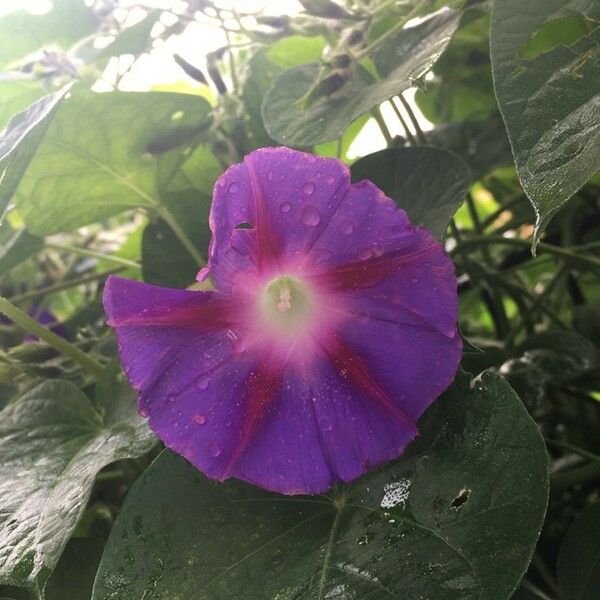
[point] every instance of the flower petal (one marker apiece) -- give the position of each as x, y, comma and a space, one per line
287, 197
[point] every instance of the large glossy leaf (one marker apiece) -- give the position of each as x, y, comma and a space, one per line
428, 183
53, 442
550, 103
578, 561
17, 95
401, 62
105, 153
456, 518
20, 140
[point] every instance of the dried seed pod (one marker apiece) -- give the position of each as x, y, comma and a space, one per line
189, 69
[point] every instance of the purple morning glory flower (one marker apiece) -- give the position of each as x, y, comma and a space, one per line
331, 329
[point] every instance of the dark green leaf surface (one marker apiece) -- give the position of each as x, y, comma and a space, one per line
106, 153
53, 442
483, 145
579, 558
428, 183
550, 103
401, 62
165, 261
19, 141
456, 518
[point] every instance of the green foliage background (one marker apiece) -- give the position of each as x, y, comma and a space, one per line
498, 498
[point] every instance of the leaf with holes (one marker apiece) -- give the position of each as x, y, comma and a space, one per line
53, 442
401, 61
428, 183
549, 96
456, 518
106, 153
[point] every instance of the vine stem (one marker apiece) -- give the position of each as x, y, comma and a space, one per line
376, 112
589, 261
64, 285
168, 217
93, 254
58, 343
413, 118
409, 135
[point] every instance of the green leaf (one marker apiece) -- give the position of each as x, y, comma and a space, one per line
53, 442
428, 183
294, 50
483, 145
165, 261
22, 33
133, 40
578, 564
73, 578
550, 103
401, 62
16, 96
19, 142
456, 517
16, 245
462, 85
106, 153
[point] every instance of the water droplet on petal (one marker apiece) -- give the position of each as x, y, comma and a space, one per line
308, 188
347, 227
311, 216
365, 254
311, 158
285, 207
330, 179
414, 280
200, 419
214, 449
203, 384
270, 175
143, 411
233, 187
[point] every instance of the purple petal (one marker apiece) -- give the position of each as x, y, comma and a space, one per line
289, 197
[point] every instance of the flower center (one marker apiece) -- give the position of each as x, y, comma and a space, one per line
286, 304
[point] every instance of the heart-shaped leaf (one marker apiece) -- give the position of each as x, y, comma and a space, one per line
456, 518
549, 97
401, 61
53, 442
106, 153
428, 183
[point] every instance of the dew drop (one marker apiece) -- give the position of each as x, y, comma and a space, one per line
347, 227
414, 280
308, 188
311, 216
330, 179
285, 207
270, 175
203, 384
214, 449
200, 419
233, 187
365, 254
144, 411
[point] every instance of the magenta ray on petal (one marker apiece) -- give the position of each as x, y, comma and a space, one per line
331, 329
